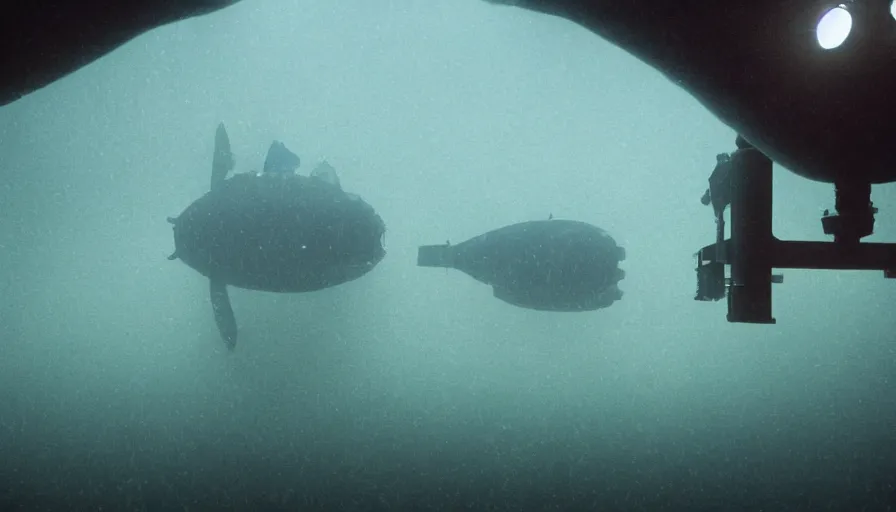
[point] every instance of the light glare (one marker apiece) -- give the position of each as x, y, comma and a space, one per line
834, 27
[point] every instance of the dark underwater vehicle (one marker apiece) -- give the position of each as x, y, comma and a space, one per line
552, 265
274, 231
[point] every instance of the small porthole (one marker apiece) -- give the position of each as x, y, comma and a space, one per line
835, 25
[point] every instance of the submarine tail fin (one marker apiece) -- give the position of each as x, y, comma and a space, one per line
222, 159
436, 256
224, 317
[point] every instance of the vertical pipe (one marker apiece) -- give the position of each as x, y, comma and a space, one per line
752, 243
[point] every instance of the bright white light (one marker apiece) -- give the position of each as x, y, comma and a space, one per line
893, 9
834, 27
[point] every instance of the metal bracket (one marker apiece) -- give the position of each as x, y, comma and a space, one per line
752, 251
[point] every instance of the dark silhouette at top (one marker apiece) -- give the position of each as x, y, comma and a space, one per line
827, 115
44, 40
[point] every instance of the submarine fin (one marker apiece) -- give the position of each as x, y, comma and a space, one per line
223, 312
325, 172
222, 160
280, 160
435, 256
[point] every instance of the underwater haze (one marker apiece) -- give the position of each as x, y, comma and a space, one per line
414, 388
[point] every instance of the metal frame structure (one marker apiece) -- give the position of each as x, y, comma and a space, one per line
743, 181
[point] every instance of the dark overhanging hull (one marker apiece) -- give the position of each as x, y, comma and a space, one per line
44, 41
825, 115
